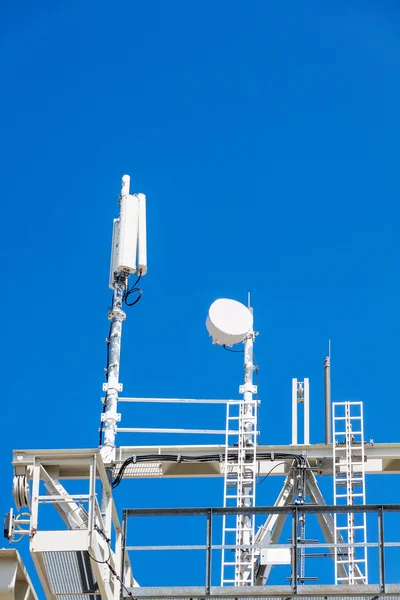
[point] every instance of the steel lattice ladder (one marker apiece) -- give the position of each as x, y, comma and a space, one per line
239, 490
349, 489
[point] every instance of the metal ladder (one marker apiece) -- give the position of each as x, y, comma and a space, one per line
240, 480
349, 489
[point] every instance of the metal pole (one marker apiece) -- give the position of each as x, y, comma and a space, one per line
382, 584
124, 534
328, 408
306, 404
208, 551
294, 412
116, 315
294, 550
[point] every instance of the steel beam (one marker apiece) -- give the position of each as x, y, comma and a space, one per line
75, 463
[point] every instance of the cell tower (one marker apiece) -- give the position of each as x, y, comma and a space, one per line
262, 551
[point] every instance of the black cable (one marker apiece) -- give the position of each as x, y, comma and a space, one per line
107, 562
232, 457
103, 535
283, 462
113, 571
229, 350
133, 290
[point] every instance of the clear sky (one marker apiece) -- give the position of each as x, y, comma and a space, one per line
266, 137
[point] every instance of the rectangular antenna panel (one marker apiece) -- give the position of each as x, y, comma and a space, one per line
142, 241
114, 252
128, 234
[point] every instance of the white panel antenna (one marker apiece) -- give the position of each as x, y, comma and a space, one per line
142, 241
114, 252
128, 234
129, 243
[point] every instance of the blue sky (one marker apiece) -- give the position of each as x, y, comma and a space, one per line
266, 137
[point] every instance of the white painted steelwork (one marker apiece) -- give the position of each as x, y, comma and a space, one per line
78, 556
15, 583
72, 463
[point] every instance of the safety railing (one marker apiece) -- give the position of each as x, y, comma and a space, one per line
294, 512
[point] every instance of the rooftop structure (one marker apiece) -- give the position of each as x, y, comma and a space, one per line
90, 553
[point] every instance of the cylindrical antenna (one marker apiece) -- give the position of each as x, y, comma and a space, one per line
327, 386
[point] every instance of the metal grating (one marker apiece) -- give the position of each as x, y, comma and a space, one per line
70, 575
263, 594
300, 596
371, 597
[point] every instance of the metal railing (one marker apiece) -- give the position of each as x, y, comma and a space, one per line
294, 544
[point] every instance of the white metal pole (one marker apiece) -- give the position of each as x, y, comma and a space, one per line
328, 408
116, 315
112, 386
294, 412
306, 411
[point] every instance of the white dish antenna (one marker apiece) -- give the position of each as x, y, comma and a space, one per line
229, 322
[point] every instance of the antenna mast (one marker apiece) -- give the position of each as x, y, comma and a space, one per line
128, 246
230, 322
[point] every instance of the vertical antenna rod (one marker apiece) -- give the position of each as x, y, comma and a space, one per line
327, 385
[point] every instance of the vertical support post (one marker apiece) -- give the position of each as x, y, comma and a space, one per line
306, 411
35, 498
328, 408
294, 412
92, 499
294, 550
208, 551
123, 558
381, 542
118, 563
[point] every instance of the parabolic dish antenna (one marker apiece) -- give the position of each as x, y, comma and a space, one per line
228, 322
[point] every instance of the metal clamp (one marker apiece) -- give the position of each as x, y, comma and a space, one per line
112, 386
105, 416
116, 313
247, 387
